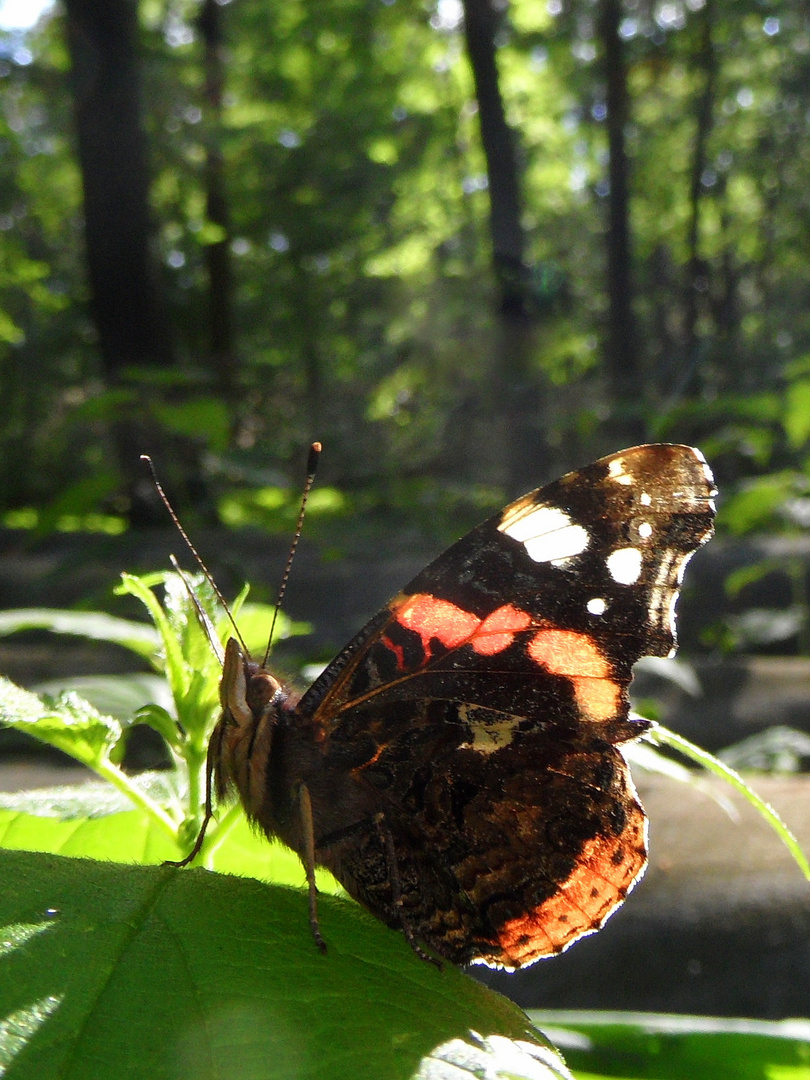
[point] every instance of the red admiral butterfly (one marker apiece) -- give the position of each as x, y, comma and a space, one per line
458, 766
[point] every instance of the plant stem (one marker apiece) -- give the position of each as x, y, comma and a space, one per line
124, 784
213, 840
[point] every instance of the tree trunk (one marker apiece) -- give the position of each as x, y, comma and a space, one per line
217, 254
132, 325
621, 351
697, 280
498, 139
515, 448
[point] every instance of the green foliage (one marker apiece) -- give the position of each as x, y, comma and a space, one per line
359, 238
650, 1047
756, 503
276, 509
179, 650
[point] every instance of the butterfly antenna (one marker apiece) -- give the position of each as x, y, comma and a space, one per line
312, 465
202, 614
206, 572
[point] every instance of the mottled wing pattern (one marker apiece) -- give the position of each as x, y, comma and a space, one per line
482, 711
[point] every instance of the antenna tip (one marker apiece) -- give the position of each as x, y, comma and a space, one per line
146, 458
312, 460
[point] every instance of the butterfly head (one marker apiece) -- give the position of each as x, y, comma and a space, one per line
242, 741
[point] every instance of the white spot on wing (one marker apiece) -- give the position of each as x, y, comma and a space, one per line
664, 594
617, 472
624, 565
596, 606
547, 533
645, 530
645, 499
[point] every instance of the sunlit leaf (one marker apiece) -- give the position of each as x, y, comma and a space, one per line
68, 723
227, 981
642, 1046
139, 638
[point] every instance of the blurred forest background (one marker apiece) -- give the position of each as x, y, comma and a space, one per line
466, 243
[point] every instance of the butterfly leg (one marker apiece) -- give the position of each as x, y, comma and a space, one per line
387, 841
308, 859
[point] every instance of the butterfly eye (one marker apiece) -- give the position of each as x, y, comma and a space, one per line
263, 693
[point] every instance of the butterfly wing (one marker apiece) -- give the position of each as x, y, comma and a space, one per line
479, 716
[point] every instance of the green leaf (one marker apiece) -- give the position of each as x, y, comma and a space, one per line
161, 721
757, 502
69, 723
121, 973
137, 637
796, 419
648, 1046
132, 836
96, 821
192, 669
175, 667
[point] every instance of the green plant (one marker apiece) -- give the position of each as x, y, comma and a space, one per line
177, 648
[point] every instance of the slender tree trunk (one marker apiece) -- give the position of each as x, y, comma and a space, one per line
725, 307
621, 350
515, 446
697, 283
498, 139
217, 254
132, 325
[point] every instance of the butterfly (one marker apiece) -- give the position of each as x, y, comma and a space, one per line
458, 766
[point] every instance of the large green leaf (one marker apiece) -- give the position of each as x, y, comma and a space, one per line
131, 837
118, 973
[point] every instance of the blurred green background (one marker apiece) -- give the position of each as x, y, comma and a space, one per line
466, 245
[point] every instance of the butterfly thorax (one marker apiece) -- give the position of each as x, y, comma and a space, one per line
266, 750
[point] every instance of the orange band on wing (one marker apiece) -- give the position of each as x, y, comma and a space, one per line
497, 631
576, 656
431, 617
565, 652
599, 699
605, 872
